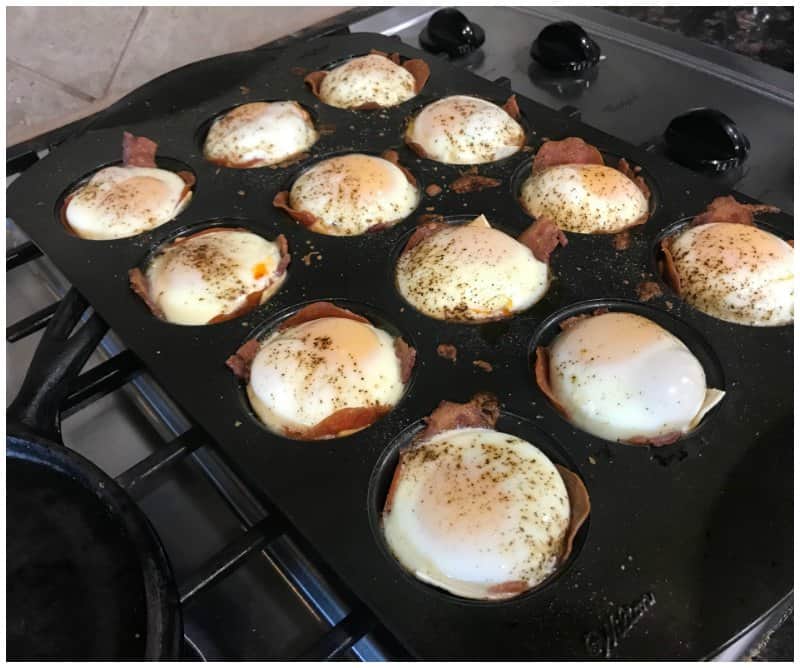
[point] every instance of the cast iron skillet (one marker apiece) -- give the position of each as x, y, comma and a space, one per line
87, 577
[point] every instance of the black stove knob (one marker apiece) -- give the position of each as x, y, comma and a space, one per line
565, 47
706, 140
449, 31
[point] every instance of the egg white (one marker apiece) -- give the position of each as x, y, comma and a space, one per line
304, 374
119, 202
737, 273
463, 130
472, 509
367, 79
584, 198
621, 376
260, 134
351, 193
471, 272
197, 279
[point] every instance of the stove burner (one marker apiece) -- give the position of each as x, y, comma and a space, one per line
565, 47
449, 31
706, 140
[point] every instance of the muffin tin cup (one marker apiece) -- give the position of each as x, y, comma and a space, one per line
676, 525
507, 423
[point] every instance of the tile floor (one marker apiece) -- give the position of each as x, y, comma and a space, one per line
63, 63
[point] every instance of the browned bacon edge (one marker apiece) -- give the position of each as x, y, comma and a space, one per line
622, 240
667, 268
414, 146
480, 411
633, 174
542, 370
655, 441
319, 310
572, 150
579, 505
138, 283
343, 420
407, 356
392, 156
647, 290
242, 359
314, 80
138, 151
728, 210
543, 237
422, 232
511, 107
470, 183
281, 201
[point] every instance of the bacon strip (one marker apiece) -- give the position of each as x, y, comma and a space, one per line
622, 240
242, 359
470, 183
512, 108
314, 80
138, 151
647, 290
669, 271
569, 151
543, 237
319, 310
62, 214
507, 589
420, 70
281, 201
398, 474
579, 506
343, 420
426, 218
407, 356
480, 411
286, 258
394, 57
655, 441
448, 351
417, 148
728, 210
188, 179
542, 370
392, 156
624, 166
252, 301
138, 283
423, 232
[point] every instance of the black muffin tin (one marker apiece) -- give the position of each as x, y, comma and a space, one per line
695, 537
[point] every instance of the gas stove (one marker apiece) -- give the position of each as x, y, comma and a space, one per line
248, 594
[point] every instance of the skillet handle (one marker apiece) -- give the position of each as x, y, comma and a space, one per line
57, 360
